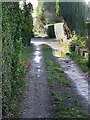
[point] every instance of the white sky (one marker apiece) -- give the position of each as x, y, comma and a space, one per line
87, 1
34, 3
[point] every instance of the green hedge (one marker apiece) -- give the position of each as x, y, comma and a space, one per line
11, 49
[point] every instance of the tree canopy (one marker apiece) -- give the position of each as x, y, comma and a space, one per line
74, 13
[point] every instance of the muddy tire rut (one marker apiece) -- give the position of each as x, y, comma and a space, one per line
36, 102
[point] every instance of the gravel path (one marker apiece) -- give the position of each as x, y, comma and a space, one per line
37, 101
78, 77
80, 81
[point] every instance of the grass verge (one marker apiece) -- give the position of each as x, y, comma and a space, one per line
25, 61
81, 61
66, 105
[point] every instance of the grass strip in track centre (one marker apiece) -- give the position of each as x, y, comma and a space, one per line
81, 61
60, 88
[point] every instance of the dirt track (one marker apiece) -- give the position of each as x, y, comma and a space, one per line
37, 101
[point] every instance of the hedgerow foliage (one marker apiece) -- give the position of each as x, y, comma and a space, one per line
11, 49
75, 14
17, 26
26, 23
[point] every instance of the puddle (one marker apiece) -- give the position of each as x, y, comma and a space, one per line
38, 75
37, 59
37, 54
38, 48
38, 41
38, 66
39, 70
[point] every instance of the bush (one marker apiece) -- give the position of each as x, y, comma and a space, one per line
78, 41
